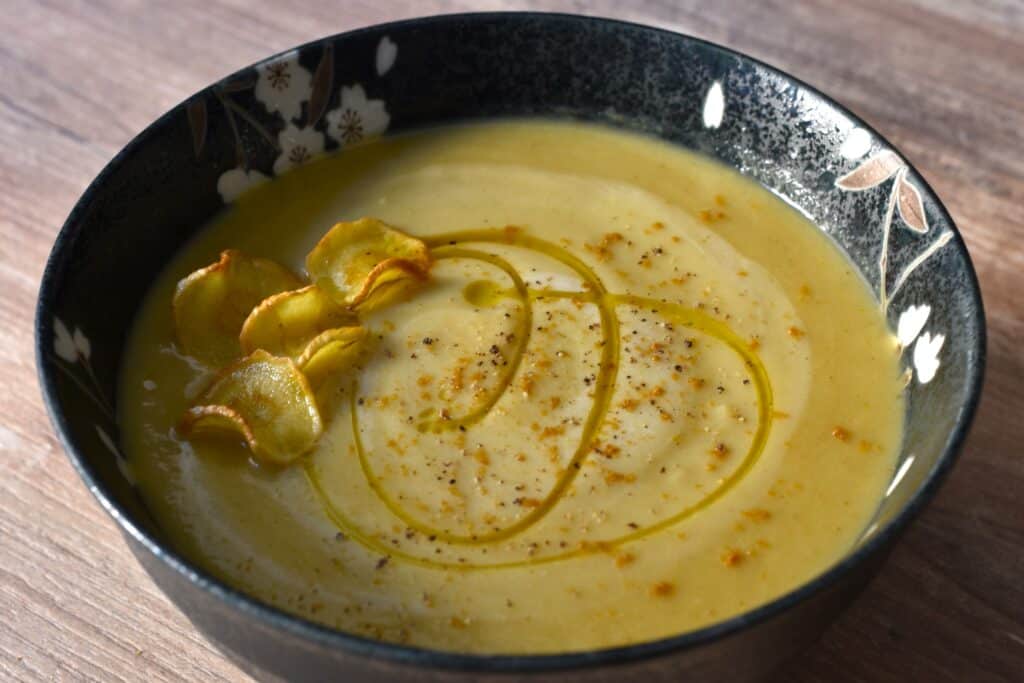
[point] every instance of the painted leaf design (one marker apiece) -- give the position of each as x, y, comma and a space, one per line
321, 88
197, 122
714, 106
873, 171
122, 463
387, 51
239, 83
107, 441
856, 144
911, 322
82, 344
63, 342
911, 207
926, 356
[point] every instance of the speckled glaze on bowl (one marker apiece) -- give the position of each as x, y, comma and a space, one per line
325, 95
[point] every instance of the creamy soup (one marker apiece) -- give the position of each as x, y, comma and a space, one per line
638, 395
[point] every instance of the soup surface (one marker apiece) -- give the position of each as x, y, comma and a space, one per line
638, 395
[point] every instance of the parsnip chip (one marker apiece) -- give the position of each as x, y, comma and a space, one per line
331, 352
211, 304
356, 259
215, 421
267, 401
284, 324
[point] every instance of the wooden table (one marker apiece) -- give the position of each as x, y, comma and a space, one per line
943, 80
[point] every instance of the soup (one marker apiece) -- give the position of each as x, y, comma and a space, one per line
636, 395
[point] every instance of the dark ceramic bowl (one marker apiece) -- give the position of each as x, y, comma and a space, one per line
179, 172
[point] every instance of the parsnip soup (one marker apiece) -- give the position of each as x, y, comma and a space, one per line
516, 387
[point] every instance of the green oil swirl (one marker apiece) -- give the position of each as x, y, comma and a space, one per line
445, 246
524, 327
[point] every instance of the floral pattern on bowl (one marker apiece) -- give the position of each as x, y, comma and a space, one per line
905, 197
302, 124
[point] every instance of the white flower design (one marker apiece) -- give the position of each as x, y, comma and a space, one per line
75, 349
232, 184
298, 146
63, 343
283, 85
357, 118
926, 356
911, 323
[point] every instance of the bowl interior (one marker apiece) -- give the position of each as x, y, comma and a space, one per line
809, 151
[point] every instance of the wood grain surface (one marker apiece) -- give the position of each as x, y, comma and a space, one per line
943, 80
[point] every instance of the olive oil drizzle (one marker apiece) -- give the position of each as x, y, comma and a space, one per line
523, 329
437, 424
606, 302
606, 376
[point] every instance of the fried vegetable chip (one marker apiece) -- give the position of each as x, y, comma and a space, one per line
331, 352
215, 421
357, 259
264, 399
284, 324
211, 304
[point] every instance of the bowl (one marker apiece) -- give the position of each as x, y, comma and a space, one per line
804, 147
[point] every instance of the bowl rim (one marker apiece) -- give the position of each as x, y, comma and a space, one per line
312, 632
